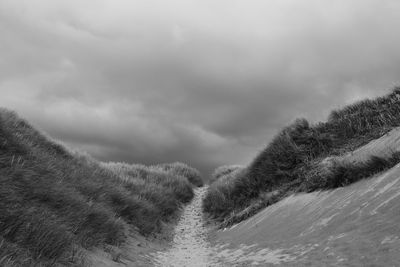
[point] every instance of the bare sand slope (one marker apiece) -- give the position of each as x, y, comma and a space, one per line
358, 225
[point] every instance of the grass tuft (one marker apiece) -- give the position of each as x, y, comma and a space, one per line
338, 173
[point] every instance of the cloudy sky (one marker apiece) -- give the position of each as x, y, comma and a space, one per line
207, 82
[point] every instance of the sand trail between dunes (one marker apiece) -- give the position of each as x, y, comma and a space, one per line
191, 246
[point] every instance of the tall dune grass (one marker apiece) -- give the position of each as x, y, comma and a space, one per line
55, 204
224, 171
285, 162
167, 191
182, 169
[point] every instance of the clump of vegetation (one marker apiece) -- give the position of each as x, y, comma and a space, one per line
149, 182
55, 204
337, 173
182, 169
223, 171
287, 163
220, 193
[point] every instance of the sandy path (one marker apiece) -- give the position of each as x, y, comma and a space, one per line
189, 246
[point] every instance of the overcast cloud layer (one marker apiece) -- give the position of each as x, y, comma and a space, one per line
207, 82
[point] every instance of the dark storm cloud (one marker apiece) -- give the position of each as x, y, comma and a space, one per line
206, 82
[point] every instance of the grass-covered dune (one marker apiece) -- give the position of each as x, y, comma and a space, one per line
225, 171
295, 160
182, 169
55, 203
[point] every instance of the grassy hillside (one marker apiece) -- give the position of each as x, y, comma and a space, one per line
182, 169
55, 203
294, 159
225, 170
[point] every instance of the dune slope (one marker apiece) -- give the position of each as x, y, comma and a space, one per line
356, 225
303, 157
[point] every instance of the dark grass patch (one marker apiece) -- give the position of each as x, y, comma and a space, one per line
263, 201
228, 193
339, 173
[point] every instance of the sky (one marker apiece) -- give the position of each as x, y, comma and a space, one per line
206, 82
